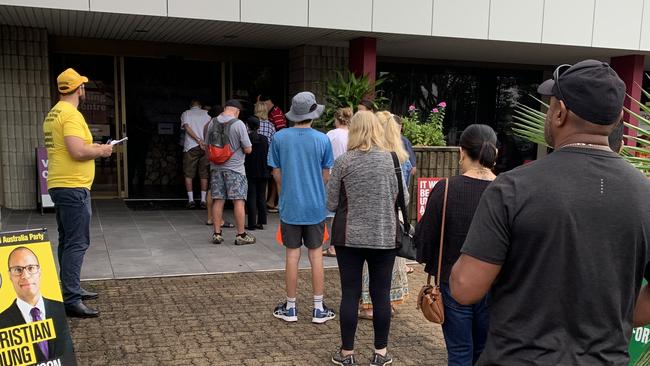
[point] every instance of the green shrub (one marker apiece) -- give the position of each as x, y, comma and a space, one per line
428, 132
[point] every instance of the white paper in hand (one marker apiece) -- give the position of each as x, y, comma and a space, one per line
115, 142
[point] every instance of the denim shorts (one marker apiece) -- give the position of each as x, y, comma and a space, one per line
228, 185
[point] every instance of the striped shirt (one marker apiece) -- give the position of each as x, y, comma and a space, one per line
277, 118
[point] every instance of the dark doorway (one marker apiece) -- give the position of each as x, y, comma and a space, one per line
98, 110
157, 93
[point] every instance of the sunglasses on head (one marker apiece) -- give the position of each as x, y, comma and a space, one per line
556, 77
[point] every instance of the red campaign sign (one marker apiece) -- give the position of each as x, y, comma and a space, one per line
425, 185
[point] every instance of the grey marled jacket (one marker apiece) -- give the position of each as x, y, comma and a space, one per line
362, 191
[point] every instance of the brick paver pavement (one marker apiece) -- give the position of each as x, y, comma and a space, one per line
226, 320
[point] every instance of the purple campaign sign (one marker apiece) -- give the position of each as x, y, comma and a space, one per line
41, 163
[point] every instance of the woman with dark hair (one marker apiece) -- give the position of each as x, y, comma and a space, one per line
366, 105
465, 327
257, 174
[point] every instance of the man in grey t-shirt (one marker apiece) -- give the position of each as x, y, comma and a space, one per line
228, 180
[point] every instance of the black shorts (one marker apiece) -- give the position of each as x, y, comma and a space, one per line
294, 236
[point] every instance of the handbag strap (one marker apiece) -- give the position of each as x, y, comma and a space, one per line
401, 201
442, 232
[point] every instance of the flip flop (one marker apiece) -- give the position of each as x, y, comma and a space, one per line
228, 225
209, 223
327, 253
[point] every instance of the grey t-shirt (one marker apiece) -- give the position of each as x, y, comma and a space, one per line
572, 234
239, 140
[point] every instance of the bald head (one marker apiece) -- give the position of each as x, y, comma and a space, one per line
25, 274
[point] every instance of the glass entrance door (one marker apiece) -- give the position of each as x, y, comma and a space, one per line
103, 113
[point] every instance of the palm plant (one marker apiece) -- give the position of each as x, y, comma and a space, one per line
530, 125
347, 90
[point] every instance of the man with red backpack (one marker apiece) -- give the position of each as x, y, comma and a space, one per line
227, 145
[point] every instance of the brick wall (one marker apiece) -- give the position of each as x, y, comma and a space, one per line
311, 66
24, 101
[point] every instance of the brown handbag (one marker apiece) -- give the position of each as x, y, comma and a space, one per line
430, 297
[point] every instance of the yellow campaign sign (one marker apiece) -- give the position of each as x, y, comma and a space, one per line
33, 325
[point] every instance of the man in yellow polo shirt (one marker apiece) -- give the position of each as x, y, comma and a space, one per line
71, 170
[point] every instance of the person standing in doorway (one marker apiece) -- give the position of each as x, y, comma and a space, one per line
228, 180
193, 121
71, 153
276, 116
257, 174
279, 121
301, 158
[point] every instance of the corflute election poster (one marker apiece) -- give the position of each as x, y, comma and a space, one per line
33, 324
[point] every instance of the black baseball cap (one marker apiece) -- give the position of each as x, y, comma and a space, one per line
234, 103
591, 89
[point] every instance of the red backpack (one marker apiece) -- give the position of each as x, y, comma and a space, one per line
219, 150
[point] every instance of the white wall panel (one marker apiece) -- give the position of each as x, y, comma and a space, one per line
461, 18
516, 20
142, 7
59, 4
341, 14
617, 24
578, 14
404, 17
283, 12
204, 9
645, 27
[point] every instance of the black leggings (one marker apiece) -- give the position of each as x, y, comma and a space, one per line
380, 269
256, 201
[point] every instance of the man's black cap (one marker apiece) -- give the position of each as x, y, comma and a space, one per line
591, 89
234, 103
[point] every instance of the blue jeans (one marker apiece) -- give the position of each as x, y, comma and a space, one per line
465, 329
73, 214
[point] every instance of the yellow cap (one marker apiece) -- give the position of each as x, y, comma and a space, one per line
69, 80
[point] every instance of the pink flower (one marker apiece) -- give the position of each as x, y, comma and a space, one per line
434, 110
442, 104
411, 107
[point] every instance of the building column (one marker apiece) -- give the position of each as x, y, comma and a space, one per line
363, 57
630, 69
310, 67
24, 102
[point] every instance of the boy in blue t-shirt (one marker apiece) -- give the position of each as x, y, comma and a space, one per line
301, 158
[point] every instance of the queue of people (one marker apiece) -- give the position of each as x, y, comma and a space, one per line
543, 264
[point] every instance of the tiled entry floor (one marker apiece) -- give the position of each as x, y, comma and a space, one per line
127, 243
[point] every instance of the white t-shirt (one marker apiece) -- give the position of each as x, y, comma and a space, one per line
339, 139
196, 118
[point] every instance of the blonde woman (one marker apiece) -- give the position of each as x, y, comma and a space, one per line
363, 231
266, 127
399, 289
339, 139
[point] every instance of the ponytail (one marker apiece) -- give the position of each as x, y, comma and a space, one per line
487, 157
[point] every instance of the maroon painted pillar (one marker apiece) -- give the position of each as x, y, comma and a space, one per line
630, 69
363, 57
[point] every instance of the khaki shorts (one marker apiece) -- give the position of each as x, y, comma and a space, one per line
193, 159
